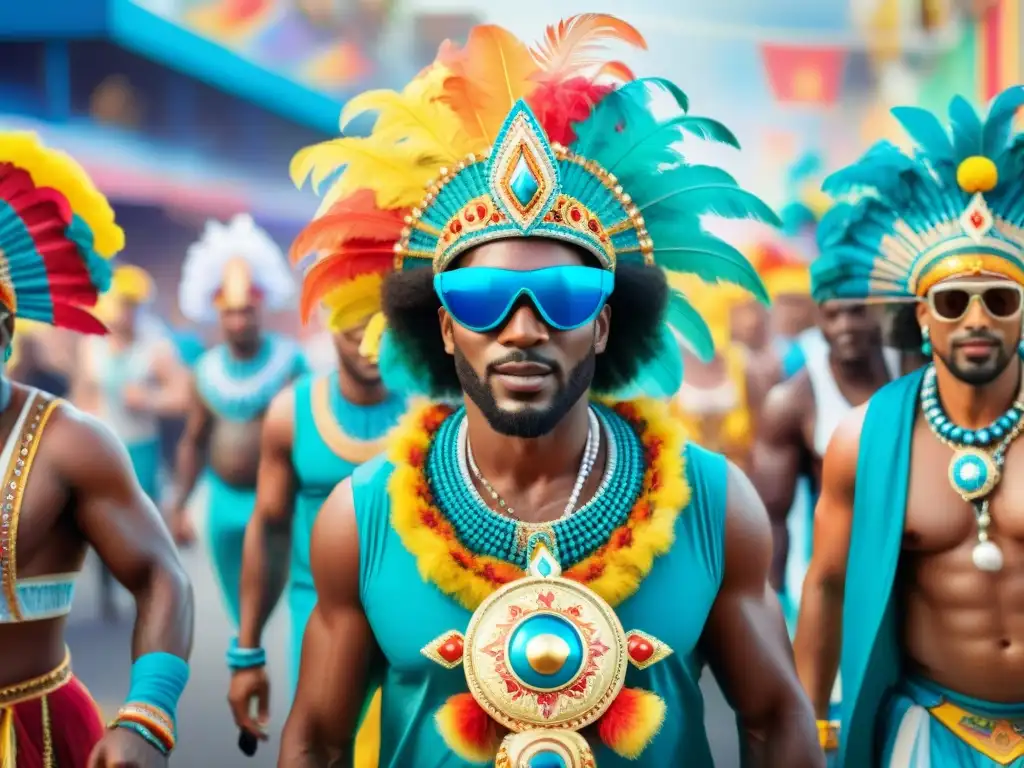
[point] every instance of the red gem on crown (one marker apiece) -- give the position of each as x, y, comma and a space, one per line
977, 220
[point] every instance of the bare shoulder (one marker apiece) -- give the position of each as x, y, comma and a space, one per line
279, 421
74, 434
748, 530
786, 406
844, 447
335, 546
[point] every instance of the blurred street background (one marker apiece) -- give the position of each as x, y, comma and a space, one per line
185, 110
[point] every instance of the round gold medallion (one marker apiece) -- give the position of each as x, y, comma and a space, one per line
545, 749
545, 653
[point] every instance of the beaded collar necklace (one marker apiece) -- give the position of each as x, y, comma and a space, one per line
977, 464
571, 538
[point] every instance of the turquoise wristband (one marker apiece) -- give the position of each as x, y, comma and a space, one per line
145, 733
245, 658
158, 679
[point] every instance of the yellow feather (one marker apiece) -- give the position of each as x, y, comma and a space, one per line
397, 173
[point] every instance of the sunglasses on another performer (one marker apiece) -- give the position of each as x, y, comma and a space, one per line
481, 299
950, 302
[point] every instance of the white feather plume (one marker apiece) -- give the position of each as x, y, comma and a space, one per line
203, 270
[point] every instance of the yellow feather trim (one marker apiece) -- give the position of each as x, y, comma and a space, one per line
57, 170
614, 571
369, 347
787, 281
353, 303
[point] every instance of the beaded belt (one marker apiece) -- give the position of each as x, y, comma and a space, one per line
37, 686
1000, 740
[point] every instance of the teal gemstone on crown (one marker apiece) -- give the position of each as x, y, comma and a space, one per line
544, 568
523, 184
547, 759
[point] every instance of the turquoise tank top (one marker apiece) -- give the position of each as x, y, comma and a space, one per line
406, 613
317, 451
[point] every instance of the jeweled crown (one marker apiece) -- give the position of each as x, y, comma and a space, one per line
956, 207
525, 186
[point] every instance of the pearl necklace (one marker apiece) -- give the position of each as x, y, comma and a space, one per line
977, 464
590, 452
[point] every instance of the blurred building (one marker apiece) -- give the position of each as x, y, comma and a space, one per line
188, 109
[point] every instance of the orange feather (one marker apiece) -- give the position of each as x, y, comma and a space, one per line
468, 730
631, 722
355, 217
489, 76
574, 45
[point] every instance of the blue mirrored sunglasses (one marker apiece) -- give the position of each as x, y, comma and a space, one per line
480, 299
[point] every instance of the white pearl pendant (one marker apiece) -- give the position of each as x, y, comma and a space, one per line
987, 557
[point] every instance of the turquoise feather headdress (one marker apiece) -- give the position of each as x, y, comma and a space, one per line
955, 208
500, 140
806, 202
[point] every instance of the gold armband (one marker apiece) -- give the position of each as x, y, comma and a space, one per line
828, 734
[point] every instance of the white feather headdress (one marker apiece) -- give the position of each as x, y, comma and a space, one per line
202, 274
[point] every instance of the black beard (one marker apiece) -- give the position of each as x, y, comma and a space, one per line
529, 422
979, 377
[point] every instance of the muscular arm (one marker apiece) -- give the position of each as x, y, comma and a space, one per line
269, 533
191, 449
819, 630
747, 647
336, 650
776, 456
121, 523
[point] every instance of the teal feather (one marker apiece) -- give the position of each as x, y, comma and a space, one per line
396, 372
966, 128
927, 132
700, 189
660, 138
710, 259
661, 376
999, 124
681, 315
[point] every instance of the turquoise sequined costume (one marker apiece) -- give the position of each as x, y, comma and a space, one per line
239, 390
901, 225
549, 152
319, 467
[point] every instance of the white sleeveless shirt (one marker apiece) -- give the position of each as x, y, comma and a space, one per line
112, 372
829, 404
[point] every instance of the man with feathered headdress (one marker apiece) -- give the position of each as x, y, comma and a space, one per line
315, 434
68, 485
503, 565
915, 572
233, 274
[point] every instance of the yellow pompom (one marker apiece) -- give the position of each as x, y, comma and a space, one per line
370, 345
977, 174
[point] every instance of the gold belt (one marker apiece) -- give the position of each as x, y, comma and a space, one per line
37, 686
1000, 740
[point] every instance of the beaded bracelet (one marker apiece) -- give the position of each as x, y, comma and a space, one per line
156, 723
144, 732
245, 658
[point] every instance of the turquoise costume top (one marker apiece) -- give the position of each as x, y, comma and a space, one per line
317, 449
414, 687
241, 390
870, 663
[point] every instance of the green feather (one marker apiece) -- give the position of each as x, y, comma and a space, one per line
661, 376
699, 189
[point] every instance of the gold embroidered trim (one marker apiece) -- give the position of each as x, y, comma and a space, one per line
350, 449
999, 740
15, 481
37, 686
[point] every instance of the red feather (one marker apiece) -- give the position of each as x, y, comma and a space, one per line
355, 217
46, 215
558, 105
339, 268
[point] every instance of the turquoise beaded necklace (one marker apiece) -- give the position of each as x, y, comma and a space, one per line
977, 464
571, 539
